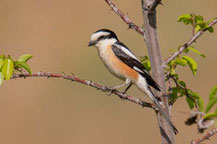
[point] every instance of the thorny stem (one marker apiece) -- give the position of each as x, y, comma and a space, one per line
205, 137
124, 17
187, 44
88, 83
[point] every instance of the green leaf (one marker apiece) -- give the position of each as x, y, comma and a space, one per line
1, 63
194, 95
176, 76
182, 83
146, 63
187, 21
184, 17
171, 63
191, 104
186, 50
20, 64
181, 62
173, 94
202, 24
191, 63
182, 92
198, 28
1, 78
210, 115
196, 51
213, 93
212, 99
210, 29
198, 19
24, 58
172, 71
7, 68
216, 110
200, 103
2, 56
211, 104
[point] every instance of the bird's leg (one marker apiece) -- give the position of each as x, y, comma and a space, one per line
127, 81
118, 86
110, 90
127, 88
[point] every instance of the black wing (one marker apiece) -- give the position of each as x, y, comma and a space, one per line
134, 64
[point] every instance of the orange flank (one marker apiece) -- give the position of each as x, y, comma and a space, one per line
120, 67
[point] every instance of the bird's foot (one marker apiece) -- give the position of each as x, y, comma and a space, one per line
124, 92
109, 90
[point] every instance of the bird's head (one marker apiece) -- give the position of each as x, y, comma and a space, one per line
103, 37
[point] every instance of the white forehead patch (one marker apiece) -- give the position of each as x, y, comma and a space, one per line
95, 36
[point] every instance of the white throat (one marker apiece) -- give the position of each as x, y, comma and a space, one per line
103, 44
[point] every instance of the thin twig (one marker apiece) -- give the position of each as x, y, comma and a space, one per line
193, 23
124, 17
187, 44
88, 83
205, 137
186, 91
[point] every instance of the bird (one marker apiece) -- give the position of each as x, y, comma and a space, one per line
122, 63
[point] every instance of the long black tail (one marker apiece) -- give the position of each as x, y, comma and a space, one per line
165, 115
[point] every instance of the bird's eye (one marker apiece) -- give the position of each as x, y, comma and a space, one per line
102, 37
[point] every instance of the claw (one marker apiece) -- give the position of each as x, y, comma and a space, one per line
104, 88
109, 90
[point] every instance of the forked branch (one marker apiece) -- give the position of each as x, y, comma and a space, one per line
124, 17
187, 44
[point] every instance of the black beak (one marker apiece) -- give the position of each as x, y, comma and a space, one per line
91, 43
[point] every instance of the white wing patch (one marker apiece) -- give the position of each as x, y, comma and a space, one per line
125, 50
137, 69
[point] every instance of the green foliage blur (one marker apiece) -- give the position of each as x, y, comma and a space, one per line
180, 89
8, 66
197, 21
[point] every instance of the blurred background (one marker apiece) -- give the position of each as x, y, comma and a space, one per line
56, 33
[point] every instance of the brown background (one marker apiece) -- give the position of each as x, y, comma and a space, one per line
56, 33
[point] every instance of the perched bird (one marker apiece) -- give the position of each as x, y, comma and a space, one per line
121, 62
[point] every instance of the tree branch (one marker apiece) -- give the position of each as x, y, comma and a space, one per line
88, 83
185, 89
154, 5
125, 18
187, 44
205, 137
151, 36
